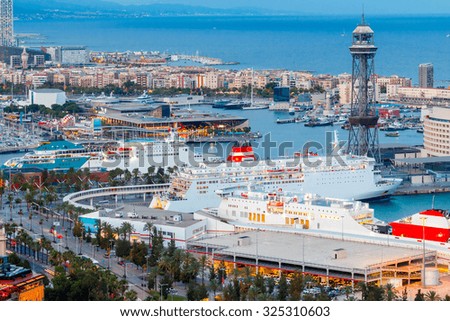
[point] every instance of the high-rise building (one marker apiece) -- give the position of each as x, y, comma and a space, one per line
6, 23
363, 133
426, 75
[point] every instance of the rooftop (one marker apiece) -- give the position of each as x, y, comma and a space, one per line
423, 160
139, 118
288, 247
58, 145
146, 214
47, 91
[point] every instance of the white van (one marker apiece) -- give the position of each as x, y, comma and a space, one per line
132, 215
118, 214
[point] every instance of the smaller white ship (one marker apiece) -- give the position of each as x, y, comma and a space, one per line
285, 209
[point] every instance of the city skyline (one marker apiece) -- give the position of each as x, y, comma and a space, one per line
315, 7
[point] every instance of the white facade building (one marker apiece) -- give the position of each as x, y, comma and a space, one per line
172, 225
47, 97
436, 135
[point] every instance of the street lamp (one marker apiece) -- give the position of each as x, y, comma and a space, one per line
303, 253
256, 259
125, 269
423, 244
20, 215
81, 245
65, 234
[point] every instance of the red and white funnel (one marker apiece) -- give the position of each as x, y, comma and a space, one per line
241, 152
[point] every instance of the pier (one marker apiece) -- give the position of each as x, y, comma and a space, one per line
16, 149
422, 189
207, 61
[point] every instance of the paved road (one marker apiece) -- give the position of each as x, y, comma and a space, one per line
134, 275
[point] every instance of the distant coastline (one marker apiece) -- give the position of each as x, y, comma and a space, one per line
263, 42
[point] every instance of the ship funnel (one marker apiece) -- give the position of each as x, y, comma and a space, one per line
241, 152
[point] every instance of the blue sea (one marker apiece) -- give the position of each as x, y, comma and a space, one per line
318, 44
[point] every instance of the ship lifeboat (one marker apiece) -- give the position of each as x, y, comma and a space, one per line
276, 203
244, 195
272, 194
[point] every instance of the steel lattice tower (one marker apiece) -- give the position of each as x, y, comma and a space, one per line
363, 134
6, 23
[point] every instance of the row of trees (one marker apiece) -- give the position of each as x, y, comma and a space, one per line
57, 111
77, 279
120, 177
50, 182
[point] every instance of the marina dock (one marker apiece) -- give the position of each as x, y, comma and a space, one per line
16, 149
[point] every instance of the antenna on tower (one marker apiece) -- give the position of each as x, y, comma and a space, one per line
363, 19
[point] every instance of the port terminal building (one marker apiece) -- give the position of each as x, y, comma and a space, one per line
161, 116
275, 252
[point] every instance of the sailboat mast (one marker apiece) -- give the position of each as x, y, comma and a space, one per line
251, 91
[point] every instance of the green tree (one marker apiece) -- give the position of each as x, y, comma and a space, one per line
138, 253
148, 228
123, 248
432, 296
391, 292
419, 296
296, 287
282, 288
126, 229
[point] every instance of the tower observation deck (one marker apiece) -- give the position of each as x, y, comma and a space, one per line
363, 133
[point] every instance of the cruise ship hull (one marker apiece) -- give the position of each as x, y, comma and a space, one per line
346, 192
420, 232
430, 225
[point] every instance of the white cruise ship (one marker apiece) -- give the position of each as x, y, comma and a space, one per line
63, 155
289, 210
193, 188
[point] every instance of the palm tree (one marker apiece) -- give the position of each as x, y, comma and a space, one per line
10, 200
391, 292
30, 216
432, 296
135, 175
20, 215
41, 223
29, 197
18, 202
203, 261
126, 229
148, 227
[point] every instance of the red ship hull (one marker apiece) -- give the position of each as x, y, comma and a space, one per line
419, 232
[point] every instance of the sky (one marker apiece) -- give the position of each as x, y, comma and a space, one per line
326, 7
